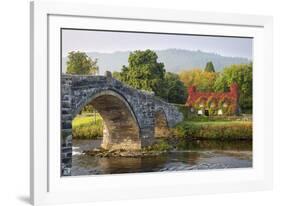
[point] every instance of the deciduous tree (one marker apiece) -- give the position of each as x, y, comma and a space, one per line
81, 63
242, 74
173, 89
204, 81
144, 71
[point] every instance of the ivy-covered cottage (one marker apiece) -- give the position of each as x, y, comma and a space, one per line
214, 103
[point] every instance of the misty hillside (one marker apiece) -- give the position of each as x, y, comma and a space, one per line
175, 60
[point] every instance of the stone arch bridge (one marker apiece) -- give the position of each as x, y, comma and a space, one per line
132, 118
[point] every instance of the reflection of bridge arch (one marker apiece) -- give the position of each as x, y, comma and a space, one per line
130, 115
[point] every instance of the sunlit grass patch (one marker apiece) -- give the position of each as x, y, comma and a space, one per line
88, 126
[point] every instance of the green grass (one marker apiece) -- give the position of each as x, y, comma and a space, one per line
197, 127
243, 118
87, 126
218, 122
214, 129
83, 120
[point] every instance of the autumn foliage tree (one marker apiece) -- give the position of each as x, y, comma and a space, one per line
204, 81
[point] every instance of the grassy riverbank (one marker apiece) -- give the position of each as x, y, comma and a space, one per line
90, 126
219, 129
213, 127
87, 126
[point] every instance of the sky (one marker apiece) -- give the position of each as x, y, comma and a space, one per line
108, 42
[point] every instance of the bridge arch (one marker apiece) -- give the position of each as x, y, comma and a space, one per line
132, 117
121, 128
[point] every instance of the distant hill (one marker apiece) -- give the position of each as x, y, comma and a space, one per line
175, 60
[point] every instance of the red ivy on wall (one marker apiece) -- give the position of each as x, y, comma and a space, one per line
230, 97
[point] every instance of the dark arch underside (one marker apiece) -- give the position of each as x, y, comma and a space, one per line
121, 130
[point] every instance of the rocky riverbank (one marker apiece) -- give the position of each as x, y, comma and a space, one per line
162, 146
99, 152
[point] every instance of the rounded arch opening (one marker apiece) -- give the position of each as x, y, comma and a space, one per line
161, 126
120, 126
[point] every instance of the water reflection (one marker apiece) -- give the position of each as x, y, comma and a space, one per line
192, 155
238, 145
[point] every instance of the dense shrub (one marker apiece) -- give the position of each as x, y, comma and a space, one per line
215, 130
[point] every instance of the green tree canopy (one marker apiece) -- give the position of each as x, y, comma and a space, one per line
209, 67
116, 75
173, 89
143, 71
242, 74
81, 63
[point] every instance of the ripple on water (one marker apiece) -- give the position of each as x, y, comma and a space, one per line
175, 161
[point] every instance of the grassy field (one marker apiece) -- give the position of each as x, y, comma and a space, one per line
214, 129
82, 120
87, 126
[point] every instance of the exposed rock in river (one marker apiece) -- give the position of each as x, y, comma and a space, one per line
123, 153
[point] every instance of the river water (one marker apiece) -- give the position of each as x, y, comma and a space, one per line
194, 155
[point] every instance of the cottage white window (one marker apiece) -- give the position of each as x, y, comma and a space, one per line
212, 105
225, 105
200, 112
220, 112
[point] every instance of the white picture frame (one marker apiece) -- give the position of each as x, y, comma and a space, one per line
47, 186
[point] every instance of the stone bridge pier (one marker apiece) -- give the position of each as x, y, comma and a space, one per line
132, 118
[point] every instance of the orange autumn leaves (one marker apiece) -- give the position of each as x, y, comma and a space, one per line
204, 81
